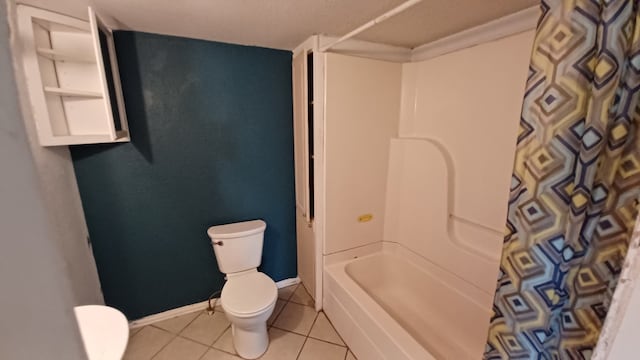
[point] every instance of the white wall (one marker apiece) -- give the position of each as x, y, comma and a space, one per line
450, 170
470, 101
62, 201
361, 114
36, 298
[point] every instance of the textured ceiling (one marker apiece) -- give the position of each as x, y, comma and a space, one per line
434, 19
283, 24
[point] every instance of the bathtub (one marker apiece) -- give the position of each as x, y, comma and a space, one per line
389, 303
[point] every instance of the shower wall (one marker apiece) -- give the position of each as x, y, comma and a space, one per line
470, 101
467, 104
448, 189
361, 114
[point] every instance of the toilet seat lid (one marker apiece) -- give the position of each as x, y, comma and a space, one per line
248, 294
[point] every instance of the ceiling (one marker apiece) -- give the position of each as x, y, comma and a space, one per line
283, 24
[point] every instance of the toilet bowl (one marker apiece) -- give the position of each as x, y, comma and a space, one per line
248, 301
249, 296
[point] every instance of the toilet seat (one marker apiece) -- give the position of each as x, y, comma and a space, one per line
248, 295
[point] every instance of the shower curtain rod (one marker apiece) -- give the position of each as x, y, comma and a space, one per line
379, 19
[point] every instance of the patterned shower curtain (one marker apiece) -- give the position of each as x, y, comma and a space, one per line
575, 184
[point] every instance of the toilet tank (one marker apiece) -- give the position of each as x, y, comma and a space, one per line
238, 246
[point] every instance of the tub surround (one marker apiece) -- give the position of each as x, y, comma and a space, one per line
439, 239
211, 128
362, 106
459, 99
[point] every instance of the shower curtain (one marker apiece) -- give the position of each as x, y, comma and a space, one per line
575, 184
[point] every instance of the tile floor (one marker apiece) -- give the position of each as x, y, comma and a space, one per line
296, 332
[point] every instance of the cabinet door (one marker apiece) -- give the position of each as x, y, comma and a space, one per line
109, 77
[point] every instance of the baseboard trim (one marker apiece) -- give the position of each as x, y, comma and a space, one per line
288, 282
148, 320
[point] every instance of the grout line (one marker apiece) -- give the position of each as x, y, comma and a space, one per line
306, 338
302, 347
195, 341
328, 342
165, 345
211, 346
291, 295
226, 352
181, 330
334, 328
307, 292
313, 324
205, 353
278, 314
221, 335
201, 343
179, 334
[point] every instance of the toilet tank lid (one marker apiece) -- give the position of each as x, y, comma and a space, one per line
235, 230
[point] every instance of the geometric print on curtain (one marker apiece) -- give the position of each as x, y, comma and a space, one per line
575, 184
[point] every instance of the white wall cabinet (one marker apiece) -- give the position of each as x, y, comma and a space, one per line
72, 78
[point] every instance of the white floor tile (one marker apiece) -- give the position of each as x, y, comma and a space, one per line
214, 354
225, 342
301, 296
350, 356
283, 345
146, 343
182, 349
134, 331
286, 292
319, 350
297, 318
176, 324
205, 329
276, 311
323, 330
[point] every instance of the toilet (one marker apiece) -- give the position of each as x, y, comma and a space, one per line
249, 296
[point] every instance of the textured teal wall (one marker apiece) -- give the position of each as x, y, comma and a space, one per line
212, 143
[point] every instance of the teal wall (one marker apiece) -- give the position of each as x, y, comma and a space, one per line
212, 143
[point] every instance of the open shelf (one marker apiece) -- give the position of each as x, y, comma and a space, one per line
72, 78
57, 55
121, 136
72, 92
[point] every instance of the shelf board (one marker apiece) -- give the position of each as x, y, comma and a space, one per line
58, 140
65, 56
72, 92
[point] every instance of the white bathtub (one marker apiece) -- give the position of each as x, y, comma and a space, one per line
389, 303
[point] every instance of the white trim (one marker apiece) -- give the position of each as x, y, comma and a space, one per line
497, 29
308, 44
288, 282
319, 168
368, 49
505, 26
148, 320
